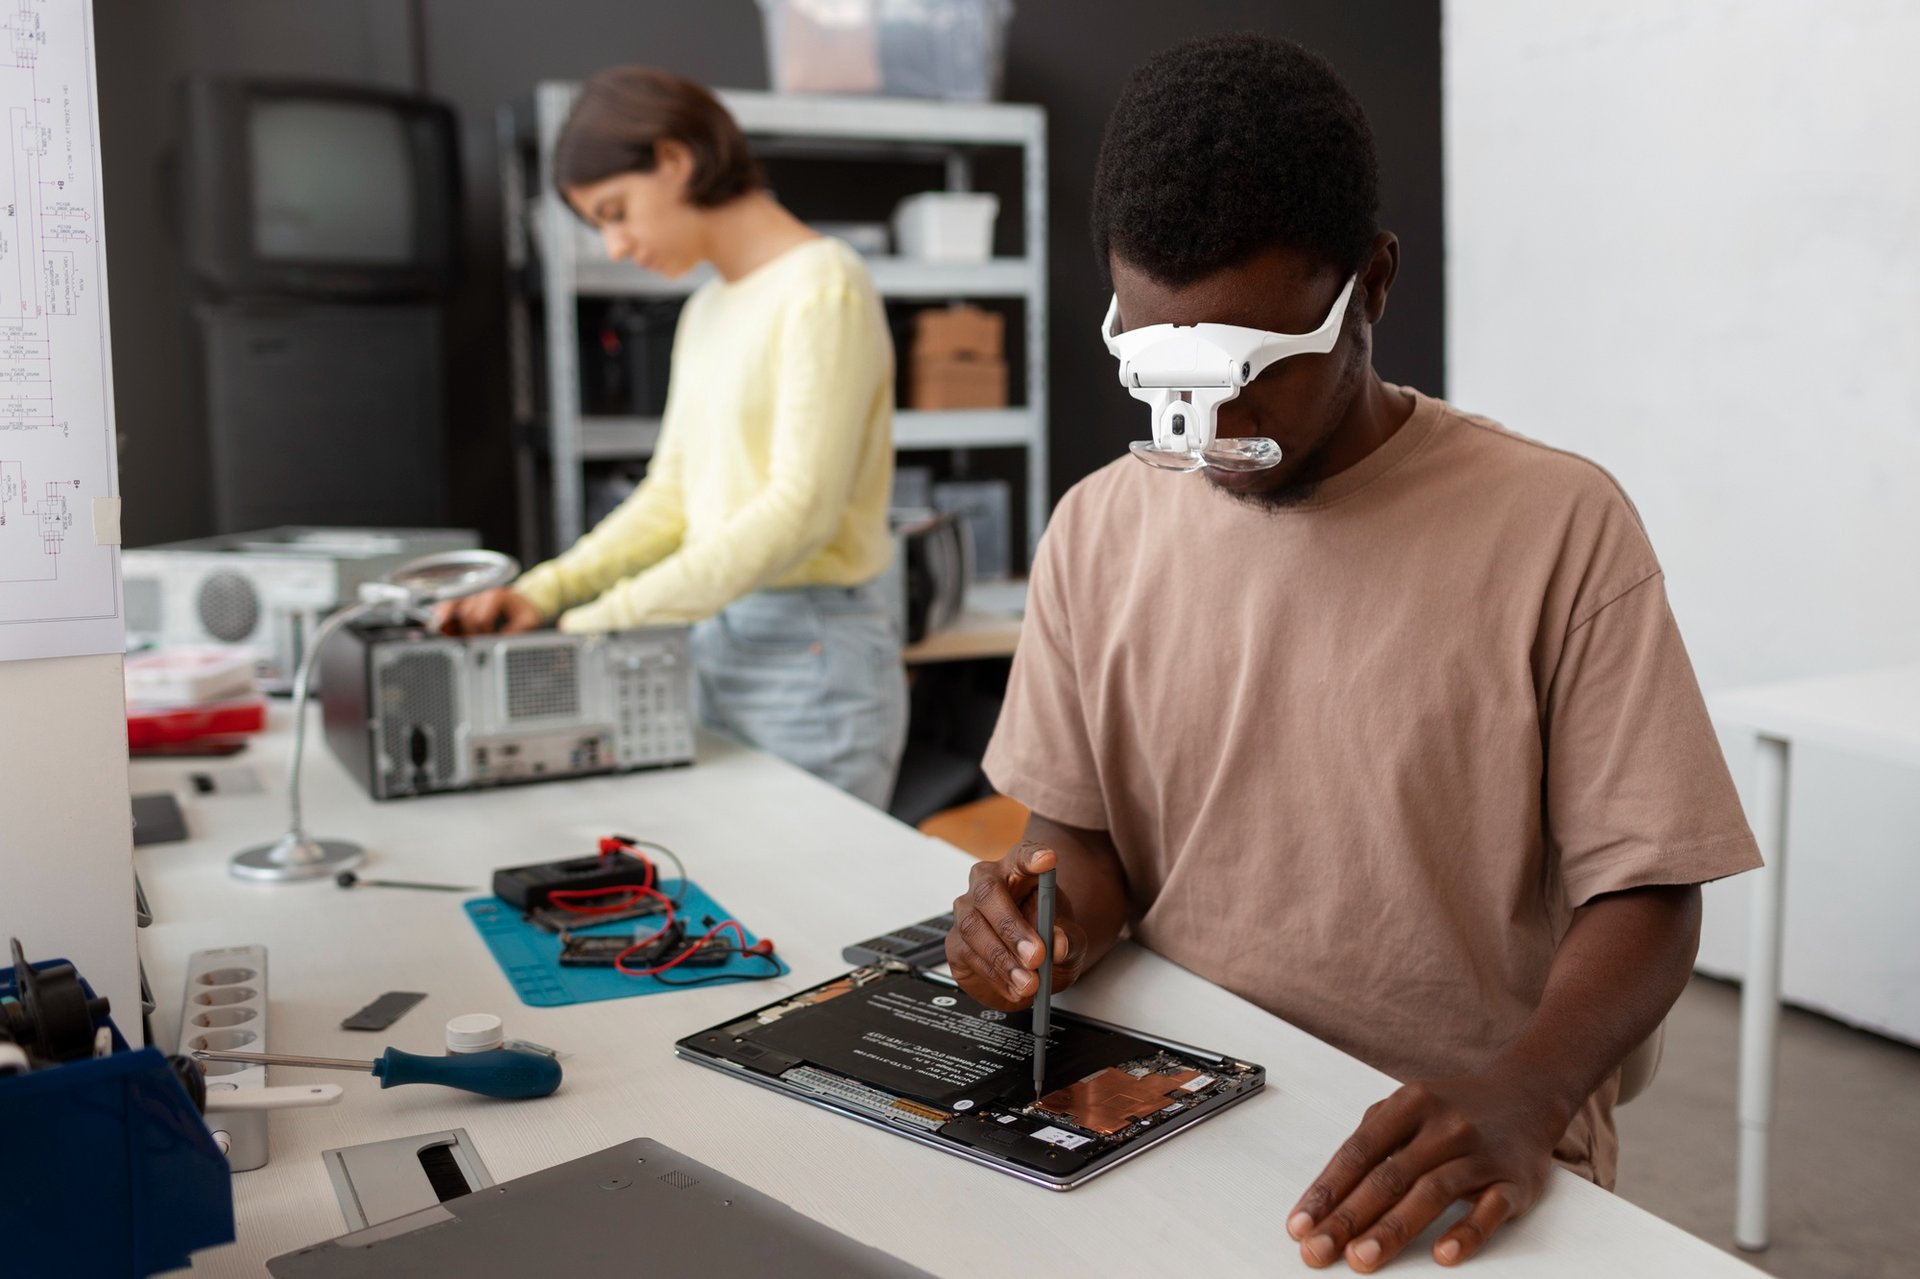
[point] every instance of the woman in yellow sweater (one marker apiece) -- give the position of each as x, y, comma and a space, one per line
763, 515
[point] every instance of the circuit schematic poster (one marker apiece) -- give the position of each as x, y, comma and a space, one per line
59, 488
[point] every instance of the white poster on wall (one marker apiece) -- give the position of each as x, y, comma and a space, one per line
59, 487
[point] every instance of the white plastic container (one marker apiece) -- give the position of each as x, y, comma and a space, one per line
475, 1033
946, 226
188, 675
868, 239
953, 49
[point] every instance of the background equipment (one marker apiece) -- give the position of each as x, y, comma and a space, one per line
921, 945
105, 1165
264, 591
408, 589
412, 712
632, 1208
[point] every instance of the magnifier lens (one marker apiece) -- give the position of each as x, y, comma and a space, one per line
1253, 453
452, 574
1167, 459
1246, 453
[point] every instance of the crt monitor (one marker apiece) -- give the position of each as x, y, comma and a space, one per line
319, 190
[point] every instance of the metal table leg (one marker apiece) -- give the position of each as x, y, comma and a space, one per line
1760, 993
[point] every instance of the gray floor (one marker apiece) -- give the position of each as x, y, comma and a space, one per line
1846, 1161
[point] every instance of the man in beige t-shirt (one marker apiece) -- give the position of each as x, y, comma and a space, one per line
1396, 739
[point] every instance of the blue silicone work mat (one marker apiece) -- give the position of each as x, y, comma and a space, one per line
530, 957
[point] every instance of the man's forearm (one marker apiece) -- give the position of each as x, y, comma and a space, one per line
1618, 971
1487, 1136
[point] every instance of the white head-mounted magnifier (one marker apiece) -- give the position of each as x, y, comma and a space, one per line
1186, 372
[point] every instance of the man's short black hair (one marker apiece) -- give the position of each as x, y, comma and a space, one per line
1223, 147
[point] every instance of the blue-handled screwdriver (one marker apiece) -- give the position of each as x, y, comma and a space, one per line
498, 1072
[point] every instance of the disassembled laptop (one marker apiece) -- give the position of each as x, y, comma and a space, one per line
907, 1050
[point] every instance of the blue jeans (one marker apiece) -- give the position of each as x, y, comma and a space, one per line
814, 676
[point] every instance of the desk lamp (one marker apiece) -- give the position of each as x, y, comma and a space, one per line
407, 590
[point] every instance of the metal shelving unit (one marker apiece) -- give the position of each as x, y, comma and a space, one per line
570, 268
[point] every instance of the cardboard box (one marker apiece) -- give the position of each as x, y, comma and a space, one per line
957, 331
957, 384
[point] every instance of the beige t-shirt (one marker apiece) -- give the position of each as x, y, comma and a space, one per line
1362, 758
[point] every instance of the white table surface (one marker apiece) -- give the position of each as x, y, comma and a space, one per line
812, 869
1874, 713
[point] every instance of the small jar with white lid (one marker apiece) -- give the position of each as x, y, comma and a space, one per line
475, 1033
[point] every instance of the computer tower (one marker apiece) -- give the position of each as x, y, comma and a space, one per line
409, 711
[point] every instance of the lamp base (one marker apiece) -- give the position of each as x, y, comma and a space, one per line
294, 856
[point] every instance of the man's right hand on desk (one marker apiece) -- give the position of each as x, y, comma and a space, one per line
502, 611
993, 948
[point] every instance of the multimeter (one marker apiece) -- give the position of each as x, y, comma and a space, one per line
529, 888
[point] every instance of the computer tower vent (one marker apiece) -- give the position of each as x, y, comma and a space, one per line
229, 607
418, 720
543, 681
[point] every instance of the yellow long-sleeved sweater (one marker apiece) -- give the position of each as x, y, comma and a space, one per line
775, 458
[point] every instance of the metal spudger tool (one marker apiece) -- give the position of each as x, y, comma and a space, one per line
347, 879
1043, 998
500, 1072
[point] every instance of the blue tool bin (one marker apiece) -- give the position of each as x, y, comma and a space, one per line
106, 1168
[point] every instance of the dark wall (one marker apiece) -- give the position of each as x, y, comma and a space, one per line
144, 48
1074, 56
1070, 56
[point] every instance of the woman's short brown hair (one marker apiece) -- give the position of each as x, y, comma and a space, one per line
623, 113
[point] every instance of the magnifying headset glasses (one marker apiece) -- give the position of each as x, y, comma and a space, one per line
1185, 373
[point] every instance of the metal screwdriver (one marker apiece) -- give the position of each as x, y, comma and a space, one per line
1043, 998
498, 1072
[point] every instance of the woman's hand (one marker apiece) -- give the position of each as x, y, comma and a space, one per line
502, 611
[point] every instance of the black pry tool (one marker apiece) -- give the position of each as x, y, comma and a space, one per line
1043, 998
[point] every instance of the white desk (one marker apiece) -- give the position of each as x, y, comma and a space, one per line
1875, 713
812, 869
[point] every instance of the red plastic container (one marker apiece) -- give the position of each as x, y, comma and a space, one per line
159, 725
